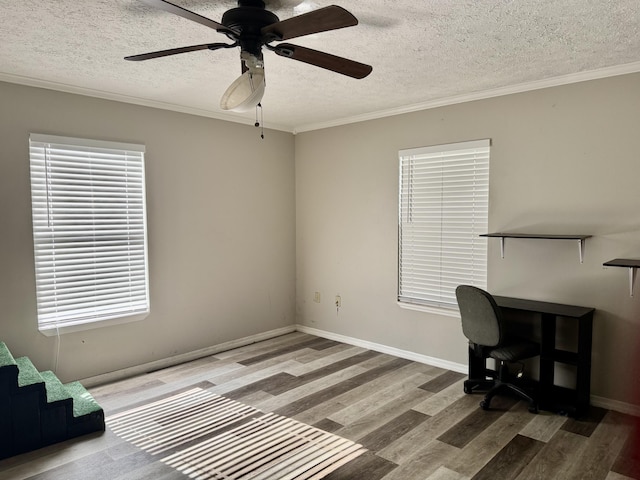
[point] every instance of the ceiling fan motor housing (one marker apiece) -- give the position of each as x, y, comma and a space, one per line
249, 18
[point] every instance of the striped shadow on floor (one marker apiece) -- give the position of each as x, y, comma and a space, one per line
206, 436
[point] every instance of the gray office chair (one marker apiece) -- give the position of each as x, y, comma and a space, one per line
483, 325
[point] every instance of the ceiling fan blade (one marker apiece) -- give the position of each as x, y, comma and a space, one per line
321, 20
174, 51
336, 64
189, 15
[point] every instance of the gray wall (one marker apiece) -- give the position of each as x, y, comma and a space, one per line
221, 229
241, 233
563, 160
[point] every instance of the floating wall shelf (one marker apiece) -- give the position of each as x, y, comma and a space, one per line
580, 238
631, 264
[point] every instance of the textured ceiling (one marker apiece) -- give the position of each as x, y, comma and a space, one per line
423, 53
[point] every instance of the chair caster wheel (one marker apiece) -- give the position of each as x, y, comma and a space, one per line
484, 405
467, 389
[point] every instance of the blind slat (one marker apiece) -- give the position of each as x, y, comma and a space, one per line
89, 226
443, 208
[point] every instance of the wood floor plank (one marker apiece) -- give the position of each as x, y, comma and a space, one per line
543, 426
600, 453
392, 430
618, 476
314, 343
202, 365
365, 467
556, 458
303, 391
389, 391
443, 473
403, 449
233, 379
366, 424
491, 439
321, 372
311, 400
321, 358
373, 391
431, 456
586, 425
628, 462
271, 379
309, 389
442, 381
511, 459
251, 350
477, 422
441, 400
373, 397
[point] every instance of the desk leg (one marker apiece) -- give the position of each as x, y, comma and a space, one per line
547, 363
583, 380
477, 365
477, 374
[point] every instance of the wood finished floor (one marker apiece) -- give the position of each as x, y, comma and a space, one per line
414, 420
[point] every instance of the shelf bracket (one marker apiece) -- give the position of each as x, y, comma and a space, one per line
502, 247
632, 278
581, 243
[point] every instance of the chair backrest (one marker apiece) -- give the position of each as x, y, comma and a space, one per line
481, 316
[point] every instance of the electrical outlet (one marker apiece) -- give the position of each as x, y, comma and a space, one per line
316, 297
338, 301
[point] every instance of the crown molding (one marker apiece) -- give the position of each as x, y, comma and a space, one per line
88, 92
482, 95
614, 71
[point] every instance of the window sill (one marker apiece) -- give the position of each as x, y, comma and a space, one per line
447, 312
53, 331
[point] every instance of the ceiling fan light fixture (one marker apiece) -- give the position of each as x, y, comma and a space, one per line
246, 92
305, 6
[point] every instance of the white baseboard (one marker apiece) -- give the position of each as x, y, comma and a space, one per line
396, 352
184, 357
622, 407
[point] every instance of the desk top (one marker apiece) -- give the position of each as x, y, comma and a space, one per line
559, 309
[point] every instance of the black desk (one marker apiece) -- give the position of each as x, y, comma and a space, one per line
553, 397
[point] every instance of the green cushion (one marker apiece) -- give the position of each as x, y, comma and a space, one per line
83, 402
55, 390
27, 373
5, 356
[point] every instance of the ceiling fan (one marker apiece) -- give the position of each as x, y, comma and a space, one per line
250, 26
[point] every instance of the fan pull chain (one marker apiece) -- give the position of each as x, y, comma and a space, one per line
261, 122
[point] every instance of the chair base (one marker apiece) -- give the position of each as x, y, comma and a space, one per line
497, 384
501, 387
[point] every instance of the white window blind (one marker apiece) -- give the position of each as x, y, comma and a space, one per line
89, 230
444, 197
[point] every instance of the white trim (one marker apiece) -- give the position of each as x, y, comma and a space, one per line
184, 357
57, 330
446, 147
446, 312
622, 407
86, 142
89, 382
615, 71
377, 347
116, 97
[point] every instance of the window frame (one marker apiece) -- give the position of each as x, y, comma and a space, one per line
431, 287
81, 185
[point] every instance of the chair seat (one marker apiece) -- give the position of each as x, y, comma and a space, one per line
515, 350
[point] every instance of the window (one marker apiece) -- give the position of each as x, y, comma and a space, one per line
444, 201
89, 231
